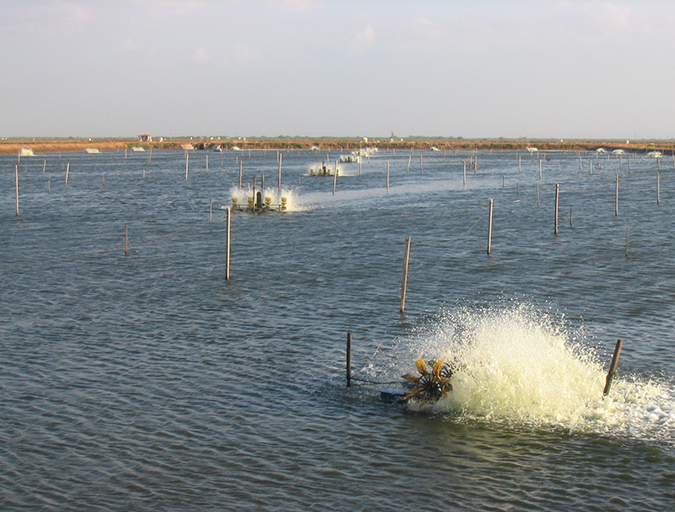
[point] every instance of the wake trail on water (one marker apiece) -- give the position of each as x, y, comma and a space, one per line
518, 365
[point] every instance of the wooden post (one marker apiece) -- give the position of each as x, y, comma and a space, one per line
464, 177
571, 216
538, 203
409, 161
187, 164
227, 254
16, 187
210, 211
143, 173
44, 166
540, 169
421, 166
616, 198
241, 172
335, 179
520, 163
489, 245
387, 177
627, 242
612, 367
207, 164
557, 206
658, 188
348, 368
150, 156
281, 157
360, 158
126, 240
67, 171
404, 282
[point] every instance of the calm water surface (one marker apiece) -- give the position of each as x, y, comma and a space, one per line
148, 381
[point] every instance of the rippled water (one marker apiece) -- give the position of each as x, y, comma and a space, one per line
148, 382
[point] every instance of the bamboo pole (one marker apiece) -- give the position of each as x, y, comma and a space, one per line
335, 179
489, 245
348, 368
538, 203
571, 218
210, 211
16, 187
627, 242
281, 157
187, 164
44, 166
241, 172
67, 172
464, 177
421, 165
126, 240
557, 206
227, 253
404, 282
49, 186
658, 188
387, 177
540, 164
616, 198
612, 367
409, 162
207, 163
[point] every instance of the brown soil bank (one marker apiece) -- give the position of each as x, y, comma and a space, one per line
14, 146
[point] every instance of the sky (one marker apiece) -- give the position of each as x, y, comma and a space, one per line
561, 69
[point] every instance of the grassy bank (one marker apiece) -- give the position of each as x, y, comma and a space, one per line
13, 146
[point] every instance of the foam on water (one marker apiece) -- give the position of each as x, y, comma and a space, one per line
515, 364
292, 205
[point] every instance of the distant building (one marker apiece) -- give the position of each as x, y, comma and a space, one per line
145, 137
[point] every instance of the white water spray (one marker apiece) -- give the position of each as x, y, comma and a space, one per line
517, 365
242, 196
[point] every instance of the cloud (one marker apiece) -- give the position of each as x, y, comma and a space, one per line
202, 55
244, 53
294, 5
363, 41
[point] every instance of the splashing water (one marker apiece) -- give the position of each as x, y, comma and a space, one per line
514, 364
242, 196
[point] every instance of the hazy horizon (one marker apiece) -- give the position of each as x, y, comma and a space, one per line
343, 69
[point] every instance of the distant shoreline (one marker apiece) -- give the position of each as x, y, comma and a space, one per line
38, 146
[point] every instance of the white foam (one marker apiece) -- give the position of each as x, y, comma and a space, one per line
519, 365
242, 196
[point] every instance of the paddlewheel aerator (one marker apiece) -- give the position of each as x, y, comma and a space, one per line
432, 385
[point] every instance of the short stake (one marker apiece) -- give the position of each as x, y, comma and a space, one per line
557, 207
16, 187
404, 282
349, 359
489, 245
612, 367
227, 257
